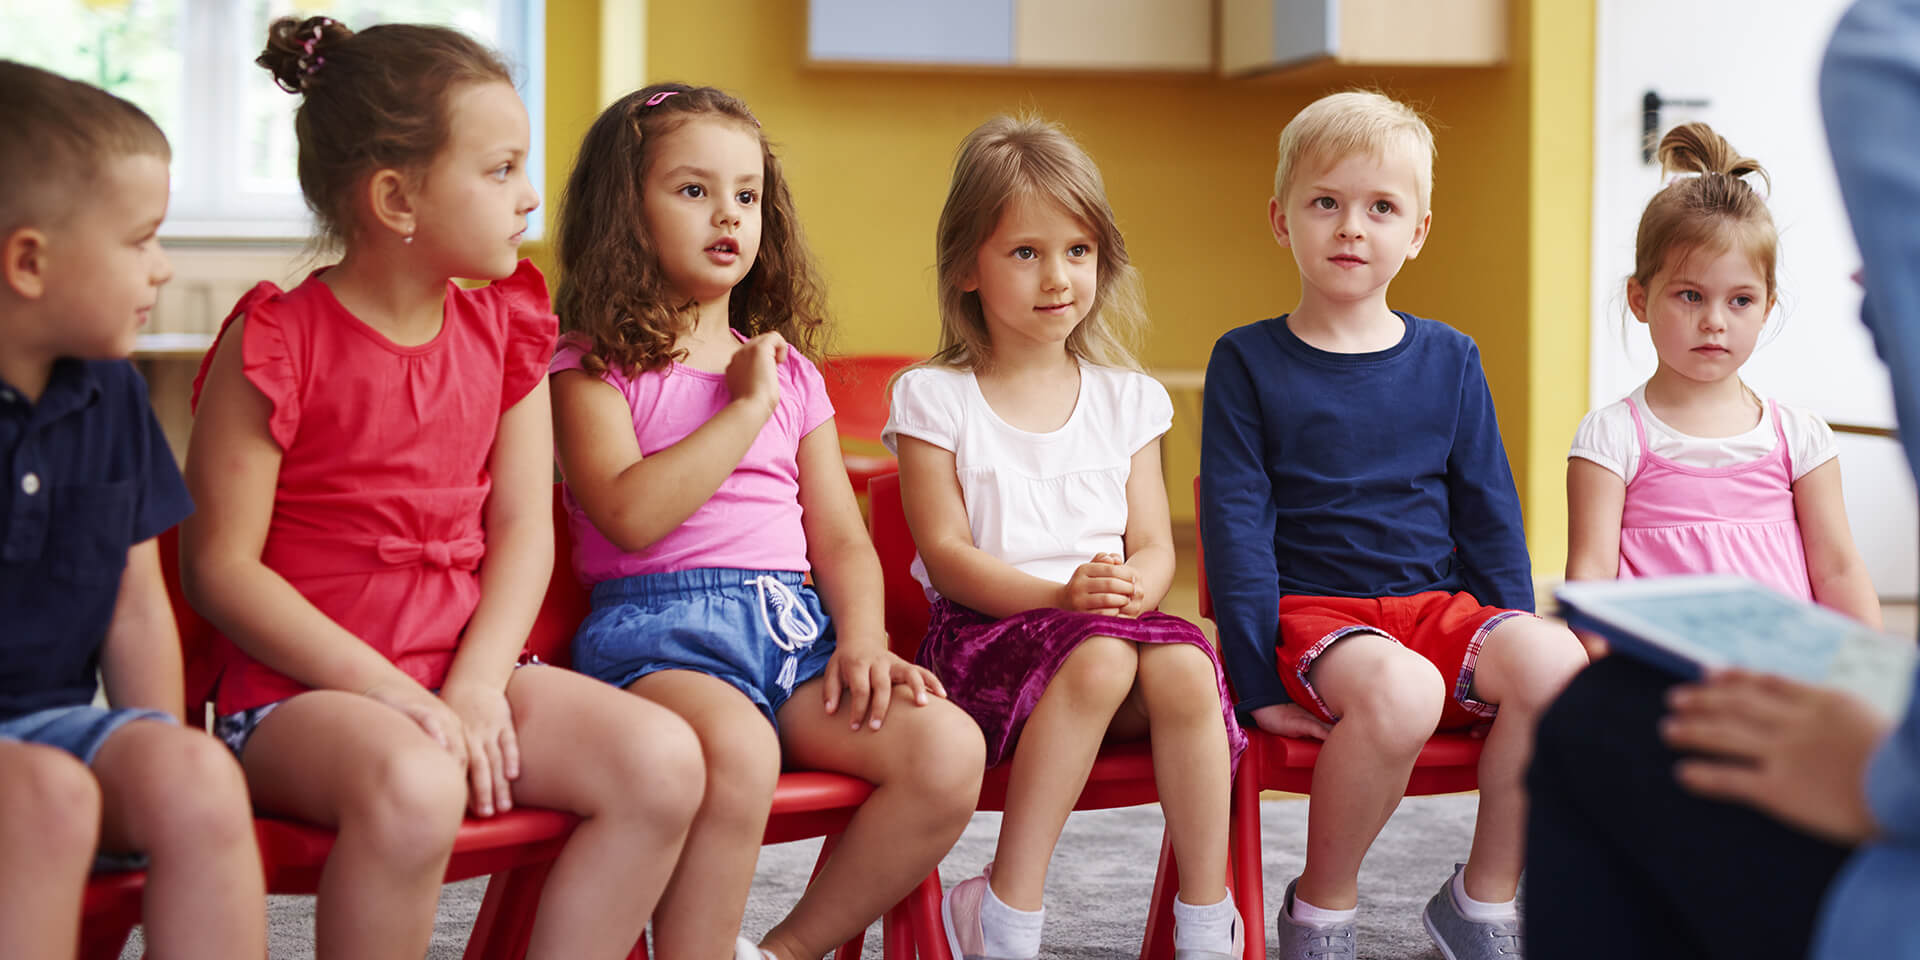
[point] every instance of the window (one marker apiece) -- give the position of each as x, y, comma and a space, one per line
189, 63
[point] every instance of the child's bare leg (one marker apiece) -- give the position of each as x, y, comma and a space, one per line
49, 827
1388, 701
1524, 663
395, 796
925, 765
632, 770
699, 915
1052, 760
1177, 703
176, 795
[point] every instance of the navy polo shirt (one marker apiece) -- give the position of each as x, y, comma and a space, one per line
85, 474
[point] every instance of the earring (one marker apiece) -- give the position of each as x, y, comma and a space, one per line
408, 239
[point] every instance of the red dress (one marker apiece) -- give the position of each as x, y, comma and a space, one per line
377, 518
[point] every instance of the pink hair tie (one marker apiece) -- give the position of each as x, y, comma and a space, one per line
657, 98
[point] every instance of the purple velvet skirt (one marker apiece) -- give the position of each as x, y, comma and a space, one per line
996, 670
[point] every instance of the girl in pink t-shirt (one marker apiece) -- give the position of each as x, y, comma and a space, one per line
1693, 472
371, 462
704, 483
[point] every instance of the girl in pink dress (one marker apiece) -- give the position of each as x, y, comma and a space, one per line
1693, 472
372, 462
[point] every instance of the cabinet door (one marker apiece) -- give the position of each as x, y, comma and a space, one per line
1114, 34
1258, 35
1263, 35
977, 32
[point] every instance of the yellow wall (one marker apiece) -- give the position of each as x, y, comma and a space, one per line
1188, 162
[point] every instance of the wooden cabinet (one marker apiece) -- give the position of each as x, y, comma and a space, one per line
1119, 35
1257, 36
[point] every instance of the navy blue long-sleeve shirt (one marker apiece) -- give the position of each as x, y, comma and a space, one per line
1349, 475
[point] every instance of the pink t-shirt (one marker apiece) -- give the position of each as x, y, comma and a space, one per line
753, 521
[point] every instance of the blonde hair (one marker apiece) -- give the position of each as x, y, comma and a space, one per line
1004, 160
1715, 211
1355, 122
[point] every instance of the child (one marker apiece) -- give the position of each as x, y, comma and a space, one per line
704, 482
1693, 472
1678, 787
1357, 509
372, 458
1030, 467
89, 484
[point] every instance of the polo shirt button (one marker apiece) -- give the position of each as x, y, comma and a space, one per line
30, 483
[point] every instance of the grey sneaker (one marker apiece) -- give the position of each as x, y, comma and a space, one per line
1462, 939
1304, 941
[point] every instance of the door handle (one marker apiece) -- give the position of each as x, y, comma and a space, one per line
1650, 105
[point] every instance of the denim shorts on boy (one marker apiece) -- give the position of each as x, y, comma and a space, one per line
78, 730
763, 631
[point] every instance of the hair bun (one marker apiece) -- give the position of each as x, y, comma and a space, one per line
296, 50
1696, 148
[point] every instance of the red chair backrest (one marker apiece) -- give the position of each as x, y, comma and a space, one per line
906, 602
203, 650
1200, 555
857, 387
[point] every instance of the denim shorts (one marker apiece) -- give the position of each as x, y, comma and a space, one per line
762, 631
79, 730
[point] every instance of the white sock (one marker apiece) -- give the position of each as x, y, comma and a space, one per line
1208, 927
1479, 911
1006, 932
1314, 916
744, 949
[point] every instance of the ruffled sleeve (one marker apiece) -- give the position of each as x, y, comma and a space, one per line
1606, 438
531, 331
267, 360
925, 406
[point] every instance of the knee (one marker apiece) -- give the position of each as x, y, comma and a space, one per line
943, 762
1398, 706
1099, 672
1541, 667
1177, 679
660, 776
742, 769
196, 793
49, 804
409, 804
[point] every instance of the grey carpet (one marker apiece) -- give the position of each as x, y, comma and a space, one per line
1097, 891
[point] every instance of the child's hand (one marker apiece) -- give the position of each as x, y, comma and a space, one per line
1796, 752
1291, 720
493, 749
753, 374
1138, 604
1099, 586
426, 710
866, 680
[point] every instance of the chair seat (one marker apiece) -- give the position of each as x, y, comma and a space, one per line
1122, 776
1447, 764
294, 853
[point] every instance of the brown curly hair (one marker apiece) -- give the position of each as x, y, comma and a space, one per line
373, 100
612, 290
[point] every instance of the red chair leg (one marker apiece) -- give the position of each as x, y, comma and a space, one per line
929, 933
103, 938
639, 951
1157, 943
896, 931
504, 925
1243, 858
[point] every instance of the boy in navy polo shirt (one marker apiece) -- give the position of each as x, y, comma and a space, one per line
1363, 534
86, 484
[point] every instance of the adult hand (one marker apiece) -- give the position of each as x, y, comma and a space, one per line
1794, 751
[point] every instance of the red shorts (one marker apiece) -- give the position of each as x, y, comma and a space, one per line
1446, 628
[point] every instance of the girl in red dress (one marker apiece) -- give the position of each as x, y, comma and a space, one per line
372, 460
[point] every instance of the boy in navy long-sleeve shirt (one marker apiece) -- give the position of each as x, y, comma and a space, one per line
1365, 550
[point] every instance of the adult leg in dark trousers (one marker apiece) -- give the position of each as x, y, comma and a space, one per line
1621, 862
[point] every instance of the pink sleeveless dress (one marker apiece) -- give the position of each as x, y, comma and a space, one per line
1736, 519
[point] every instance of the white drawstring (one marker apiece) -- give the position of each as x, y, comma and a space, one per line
797, 628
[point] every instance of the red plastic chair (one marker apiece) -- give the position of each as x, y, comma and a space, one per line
857, 386
1122, 775
108, 911
1449, 763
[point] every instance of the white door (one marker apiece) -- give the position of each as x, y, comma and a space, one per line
1750, 68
